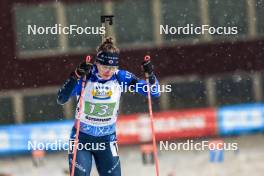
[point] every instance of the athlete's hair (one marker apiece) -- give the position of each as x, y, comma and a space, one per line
108, 46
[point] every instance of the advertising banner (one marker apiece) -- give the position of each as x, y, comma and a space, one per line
239, 119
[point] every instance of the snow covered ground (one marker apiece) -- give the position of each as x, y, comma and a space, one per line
248, 161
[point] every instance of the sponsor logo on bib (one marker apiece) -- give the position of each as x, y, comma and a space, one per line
101, 92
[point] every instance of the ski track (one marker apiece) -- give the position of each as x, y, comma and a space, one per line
248, 161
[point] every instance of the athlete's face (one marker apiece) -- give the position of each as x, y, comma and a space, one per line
106, 72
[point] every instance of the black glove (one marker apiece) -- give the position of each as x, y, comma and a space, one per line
82, 69
149, 69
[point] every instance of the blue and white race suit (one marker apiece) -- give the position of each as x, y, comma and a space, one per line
98, 116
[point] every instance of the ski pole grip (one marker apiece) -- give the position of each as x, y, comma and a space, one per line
88, 59
146, 58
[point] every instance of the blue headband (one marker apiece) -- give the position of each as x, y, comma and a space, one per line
107, 58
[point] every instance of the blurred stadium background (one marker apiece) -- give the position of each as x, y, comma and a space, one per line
217, 82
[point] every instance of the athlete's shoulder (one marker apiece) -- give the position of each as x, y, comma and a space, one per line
125, 76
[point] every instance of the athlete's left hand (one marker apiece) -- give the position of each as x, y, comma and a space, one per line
148, 67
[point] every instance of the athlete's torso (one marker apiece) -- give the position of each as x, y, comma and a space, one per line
100, 105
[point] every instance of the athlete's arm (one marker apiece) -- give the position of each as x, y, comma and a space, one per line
72, 86
129, 80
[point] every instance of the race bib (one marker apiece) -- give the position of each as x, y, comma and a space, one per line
99, 109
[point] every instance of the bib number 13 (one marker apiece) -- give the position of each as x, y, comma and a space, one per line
99, 109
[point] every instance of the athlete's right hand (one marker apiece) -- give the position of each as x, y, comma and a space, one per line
82, 69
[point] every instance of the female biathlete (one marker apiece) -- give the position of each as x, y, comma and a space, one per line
103, 87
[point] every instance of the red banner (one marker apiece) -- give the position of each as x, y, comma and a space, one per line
169, 125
